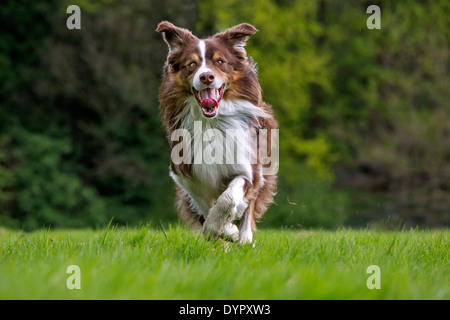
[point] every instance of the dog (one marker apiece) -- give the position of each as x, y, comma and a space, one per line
209, 93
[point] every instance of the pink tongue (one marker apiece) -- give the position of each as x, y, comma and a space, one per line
209, 103
209, 98
209, 93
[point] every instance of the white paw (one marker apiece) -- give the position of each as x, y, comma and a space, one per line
245, 236
230, 231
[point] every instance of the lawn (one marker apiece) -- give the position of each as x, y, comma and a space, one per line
147, 263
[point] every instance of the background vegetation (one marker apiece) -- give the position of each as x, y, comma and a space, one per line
364, 114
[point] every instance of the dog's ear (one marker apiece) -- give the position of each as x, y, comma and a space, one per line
173, 35
238, 35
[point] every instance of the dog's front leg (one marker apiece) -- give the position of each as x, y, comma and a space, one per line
229, 206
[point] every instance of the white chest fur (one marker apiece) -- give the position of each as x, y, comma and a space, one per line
222, 148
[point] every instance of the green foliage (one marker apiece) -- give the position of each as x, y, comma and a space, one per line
6, 183
49, 191
390, 118
367, 109
87, 136
19, 38
81, 137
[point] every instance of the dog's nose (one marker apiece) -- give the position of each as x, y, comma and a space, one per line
207, 77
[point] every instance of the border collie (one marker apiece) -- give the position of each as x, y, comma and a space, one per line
221, 133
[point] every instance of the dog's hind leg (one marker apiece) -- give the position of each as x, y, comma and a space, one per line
186, 212
229, 206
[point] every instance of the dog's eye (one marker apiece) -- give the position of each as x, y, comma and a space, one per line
219, 62
174, 66
192, 65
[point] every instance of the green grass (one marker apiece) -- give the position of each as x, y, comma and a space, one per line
145, 263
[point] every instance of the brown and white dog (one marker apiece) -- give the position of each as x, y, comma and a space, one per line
210, 94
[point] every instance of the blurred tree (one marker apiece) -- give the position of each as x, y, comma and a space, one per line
390, 118
6, 183
367, 106
49, 191
81, 137
104, 79
21, 36
86, 141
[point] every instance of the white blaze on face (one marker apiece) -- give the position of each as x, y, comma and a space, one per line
208, 93
198, 85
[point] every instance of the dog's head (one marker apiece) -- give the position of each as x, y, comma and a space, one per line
211, 69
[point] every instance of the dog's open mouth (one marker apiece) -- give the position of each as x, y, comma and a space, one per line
209, 99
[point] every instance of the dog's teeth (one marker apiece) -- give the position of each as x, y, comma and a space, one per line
200, 95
